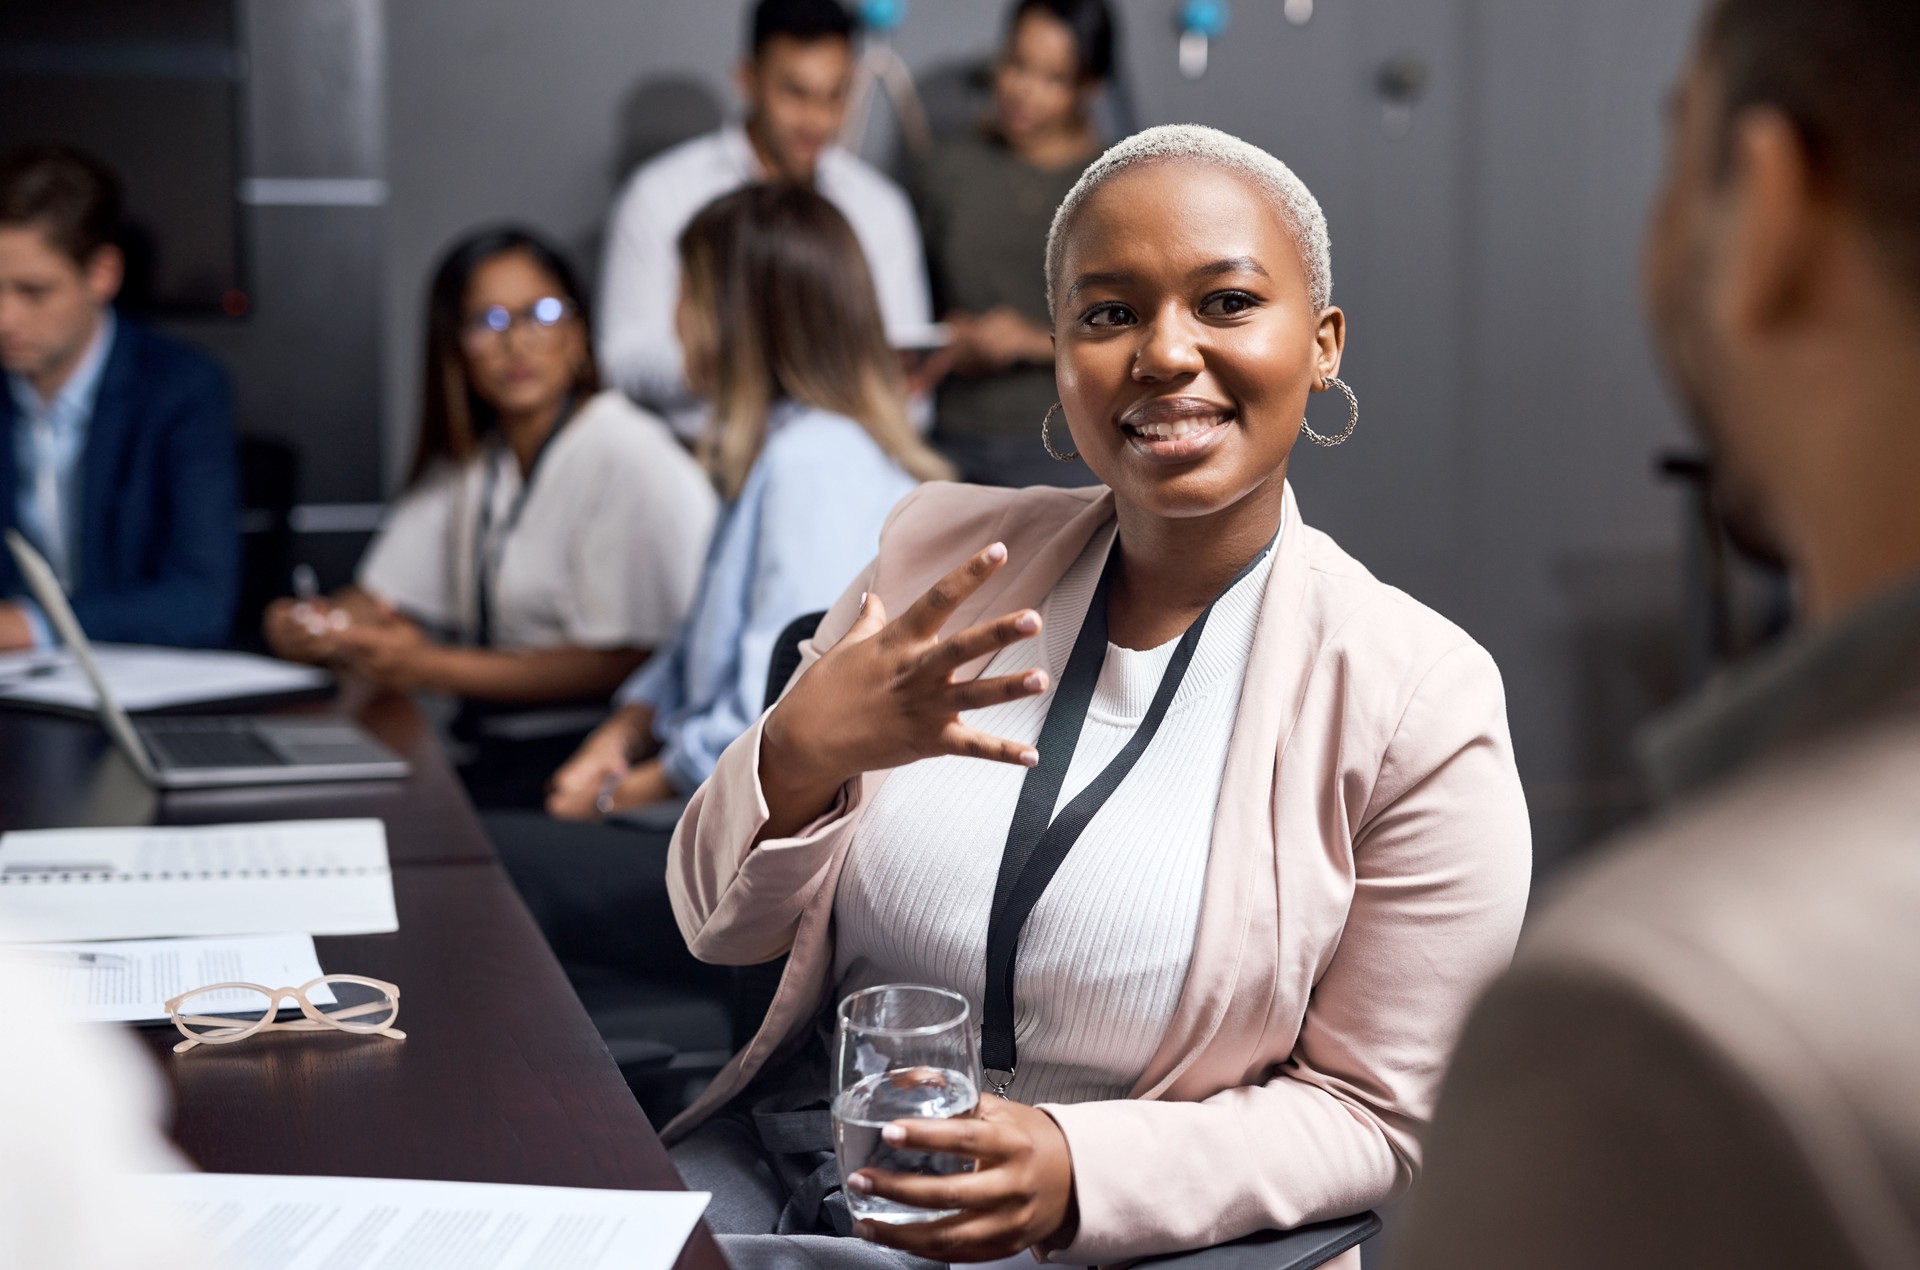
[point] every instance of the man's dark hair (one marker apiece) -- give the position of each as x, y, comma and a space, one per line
805, 20
1846, 73
1091, 22
66, 193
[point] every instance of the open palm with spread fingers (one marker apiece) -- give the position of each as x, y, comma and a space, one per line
886, 695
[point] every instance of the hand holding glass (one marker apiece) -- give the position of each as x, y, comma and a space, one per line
900, 1051
222, 1013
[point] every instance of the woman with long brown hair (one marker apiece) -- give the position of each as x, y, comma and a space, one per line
810, 446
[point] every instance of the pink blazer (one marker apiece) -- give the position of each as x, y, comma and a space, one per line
1368, 873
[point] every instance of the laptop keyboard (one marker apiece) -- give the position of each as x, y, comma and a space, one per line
209, 745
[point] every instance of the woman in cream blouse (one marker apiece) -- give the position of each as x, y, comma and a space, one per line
1233, 1003
548, 541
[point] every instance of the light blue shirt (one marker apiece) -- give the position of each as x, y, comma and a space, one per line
49, 438
805, 524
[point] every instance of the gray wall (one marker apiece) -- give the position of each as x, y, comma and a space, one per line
306, 359
1510, 411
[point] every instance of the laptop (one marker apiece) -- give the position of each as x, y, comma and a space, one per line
210, 752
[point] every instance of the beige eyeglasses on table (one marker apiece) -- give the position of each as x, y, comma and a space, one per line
222, 1013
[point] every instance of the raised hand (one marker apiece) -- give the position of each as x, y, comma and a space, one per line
885, 696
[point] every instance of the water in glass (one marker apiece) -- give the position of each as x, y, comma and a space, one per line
902, 1052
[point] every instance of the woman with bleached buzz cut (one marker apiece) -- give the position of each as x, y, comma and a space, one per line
1267, 804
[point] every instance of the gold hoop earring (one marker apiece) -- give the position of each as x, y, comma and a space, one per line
1353, 417
1047, 440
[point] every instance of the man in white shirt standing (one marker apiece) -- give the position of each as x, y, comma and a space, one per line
795, 82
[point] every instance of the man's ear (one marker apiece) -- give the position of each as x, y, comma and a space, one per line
104, 273
746, 82
1777, 228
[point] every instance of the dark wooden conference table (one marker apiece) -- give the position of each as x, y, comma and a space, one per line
502, 1077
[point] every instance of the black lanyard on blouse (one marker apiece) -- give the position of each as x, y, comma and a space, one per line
1035, 848
486, 555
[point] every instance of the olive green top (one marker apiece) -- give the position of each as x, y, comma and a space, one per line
985, 213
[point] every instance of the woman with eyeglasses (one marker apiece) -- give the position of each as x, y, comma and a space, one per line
550, 536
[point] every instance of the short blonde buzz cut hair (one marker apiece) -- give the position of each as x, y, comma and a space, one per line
1197, 144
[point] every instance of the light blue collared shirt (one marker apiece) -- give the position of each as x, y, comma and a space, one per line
49, 438
805, 524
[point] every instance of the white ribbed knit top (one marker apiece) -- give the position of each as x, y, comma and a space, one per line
1105, 952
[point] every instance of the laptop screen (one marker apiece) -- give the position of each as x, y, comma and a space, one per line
53, 600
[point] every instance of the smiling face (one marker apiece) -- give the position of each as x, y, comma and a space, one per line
1186, 340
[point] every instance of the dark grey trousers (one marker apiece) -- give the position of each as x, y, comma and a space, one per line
599, 893
724, 1157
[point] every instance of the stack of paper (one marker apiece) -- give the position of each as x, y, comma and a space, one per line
245, 1222
317, 877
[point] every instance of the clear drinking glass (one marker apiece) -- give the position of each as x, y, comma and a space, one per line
900, 1051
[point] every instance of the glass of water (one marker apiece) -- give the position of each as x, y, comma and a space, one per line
900, 1051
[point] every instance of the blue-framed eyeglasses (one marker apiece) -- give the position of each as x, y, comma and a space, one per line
496, 321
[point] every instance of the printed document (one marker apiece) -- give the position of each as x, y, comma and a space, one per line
246, 1222
308, 877
142, 678
131, 980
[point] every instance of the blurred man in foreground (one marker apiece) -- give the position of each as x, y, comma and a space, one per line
1708, 1052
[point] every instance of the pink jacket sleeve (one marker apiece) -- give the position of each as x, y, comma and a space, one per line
1441, 858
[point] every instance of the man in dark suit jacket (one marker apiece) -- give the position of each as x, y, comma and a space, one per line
116, 444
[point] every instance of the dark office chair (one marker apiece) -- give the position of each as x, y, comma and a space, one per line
269, 485
1301, 1248
754, 986
670, 1039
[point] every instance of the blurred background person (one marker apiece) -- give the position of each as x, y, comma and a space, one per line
794, 83
1704, 1055
811, 448
550, 536
986, 199
118, 453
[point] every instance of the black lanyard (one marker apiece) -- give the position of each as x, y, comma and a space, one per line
486, 557
1036, 849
